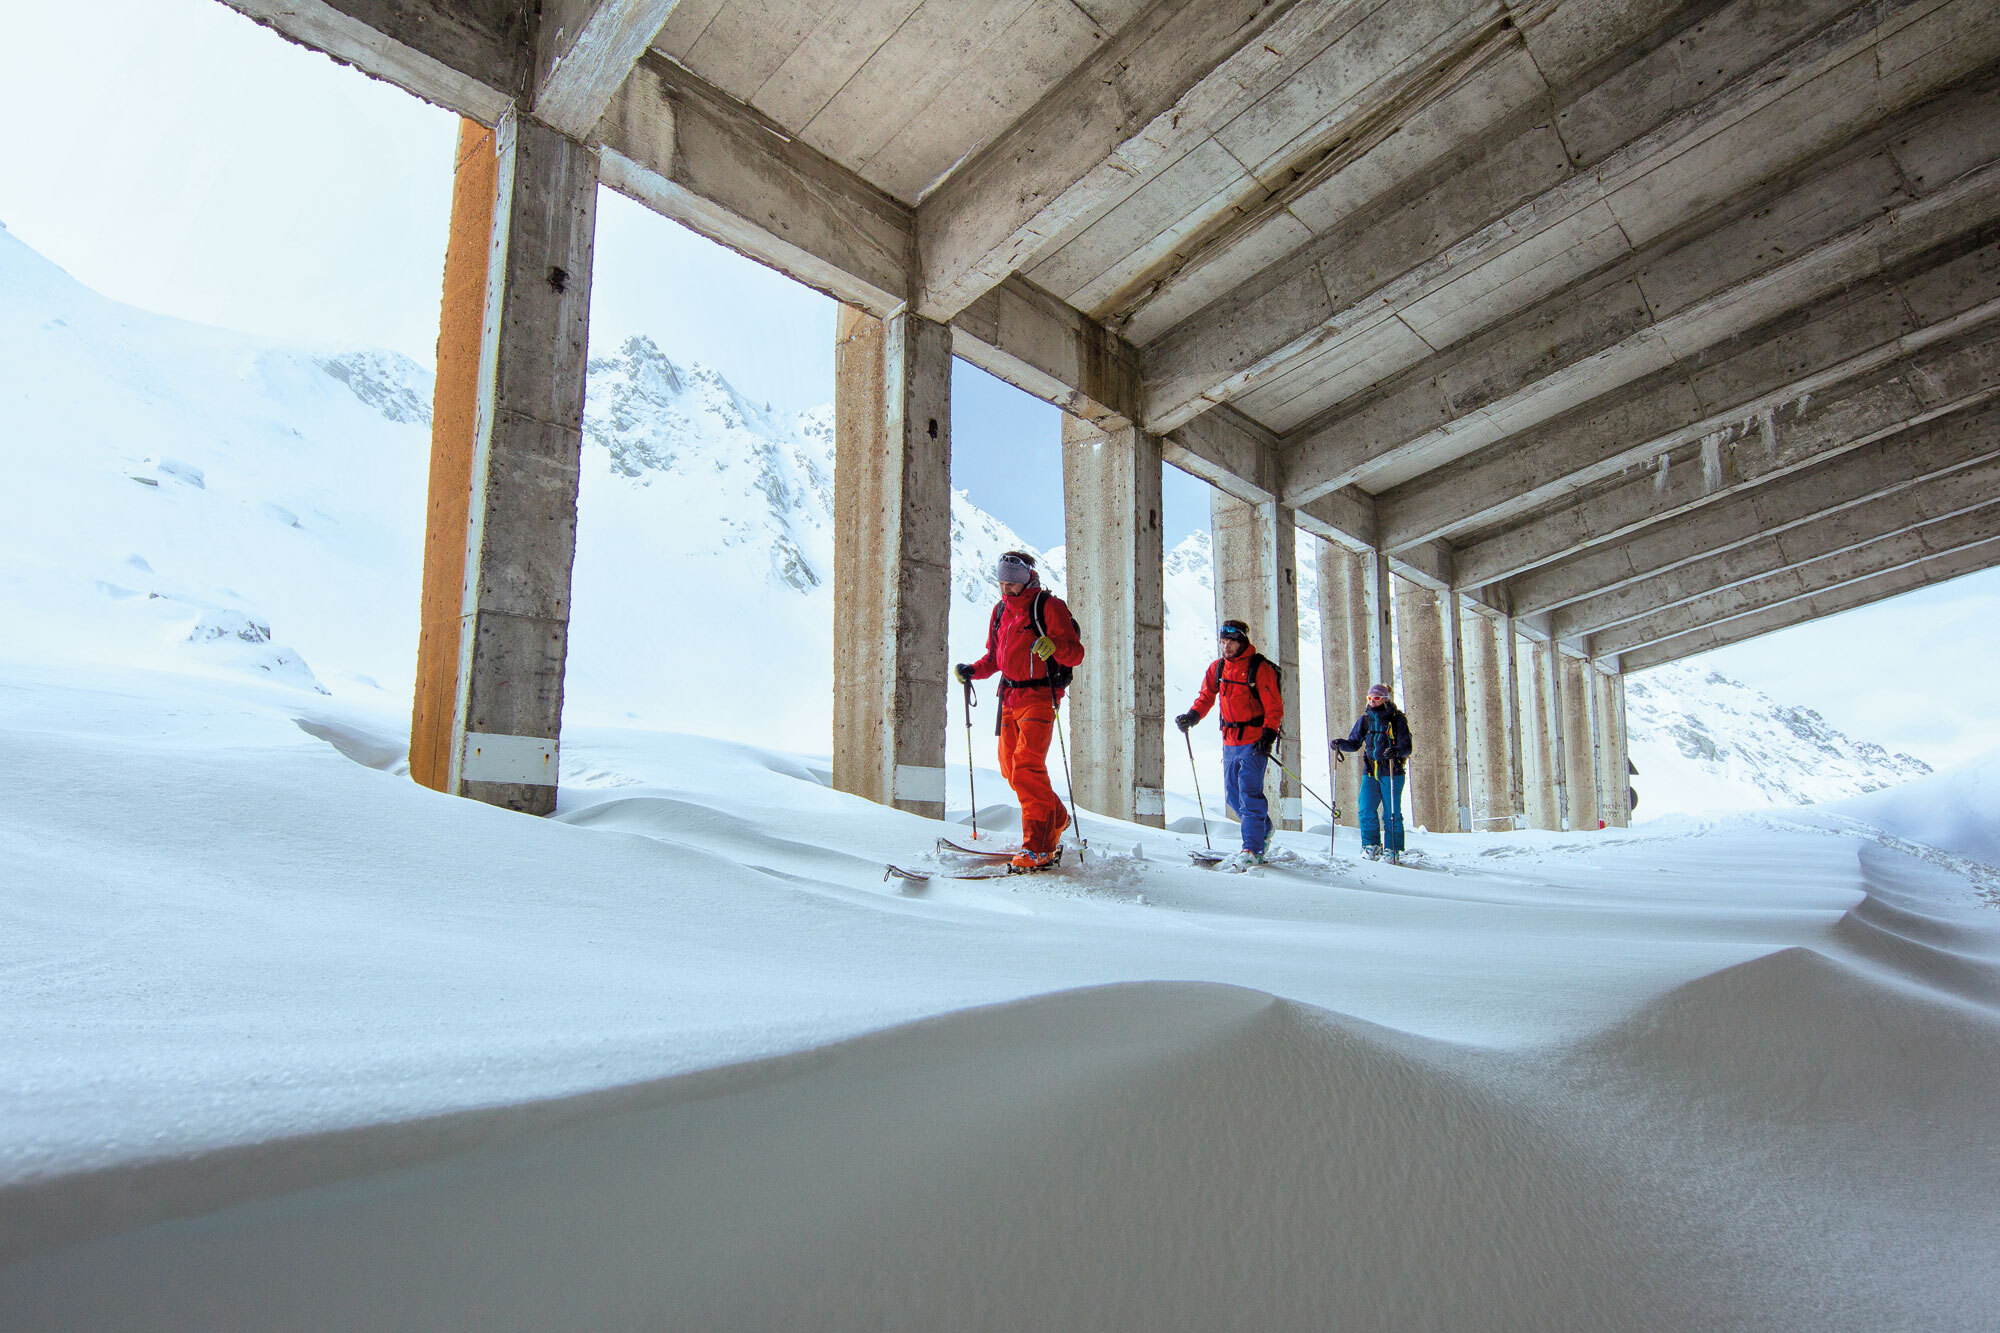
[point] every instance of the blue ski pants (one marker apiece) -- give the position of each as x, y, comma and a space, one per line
1243, 789
1382, 802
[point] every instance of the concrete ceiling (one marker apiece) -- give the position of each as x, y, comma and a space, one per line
1504, 287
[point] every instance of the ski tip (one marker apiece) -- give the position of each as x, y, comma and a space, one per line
897, 872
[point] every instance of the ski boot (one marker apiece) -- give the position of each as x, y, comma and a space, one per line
1238, 862
1372, 851
1395, 858
1026, 862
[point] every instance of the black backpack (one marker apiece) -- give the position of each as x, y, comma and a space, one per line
1054, 671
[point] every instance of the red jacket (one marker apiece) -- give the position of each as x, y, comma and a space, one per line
1013, 634
1242, 699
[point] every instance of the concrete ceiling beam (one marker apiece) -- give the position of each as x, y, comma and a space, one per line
1040, 345
1869, 331
1847, 597
584, 52
1178, 70
1841, 221
1891, 466
1229, 452
716, 166
1520, 216
1865, 415
1871, 526
1976, 527
470, 58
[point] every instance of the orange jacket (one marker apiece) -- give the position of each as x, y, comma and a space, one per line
1249, 708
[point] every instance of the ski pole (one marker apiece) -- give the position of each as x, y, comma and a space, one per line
1069, 783
971, 791
1302, 785
1201, 809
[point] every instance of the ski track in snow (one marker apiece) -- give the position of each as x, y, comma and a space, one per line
292, 1041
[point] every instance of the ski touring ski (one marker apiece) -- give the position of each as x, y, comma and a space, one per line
946, 847
926, 876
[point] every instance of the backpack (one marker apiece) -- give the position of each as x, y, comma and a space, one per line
1249, 682
1054, 672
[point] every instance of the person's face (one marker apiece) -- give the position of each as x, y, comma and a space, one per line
1232, 648
1377, 700
1012, 589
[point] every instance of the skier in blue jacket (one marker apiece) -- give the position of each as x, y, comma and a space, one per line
1382, 737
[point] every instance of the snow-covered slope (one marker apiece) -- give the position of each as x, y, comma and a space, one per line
1704, 742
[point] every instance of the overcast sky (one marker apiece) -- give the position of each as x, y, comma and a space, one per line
171, 154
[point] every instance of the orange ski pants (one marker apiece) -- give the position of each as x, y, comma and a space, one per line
1026, 726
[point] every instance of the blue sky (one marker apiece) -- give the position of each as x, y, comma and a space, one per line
184, 160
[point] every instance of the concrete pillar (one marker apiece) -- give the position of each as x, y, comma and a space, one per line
1256, 581
1461, 738
515, 539
1489, 761
1346, 636
891, 557
1517, 773
1381, 601
1613, 780
1541, 739
1117, 707
1428, 673
454, 426
1579, 743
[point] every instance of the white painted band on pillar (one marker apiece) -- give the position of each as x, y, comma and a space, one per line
492, 757
1148, 801
1292, 807
914, 782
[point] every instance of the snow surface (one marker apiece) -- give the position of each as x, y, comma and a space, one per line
289, 1041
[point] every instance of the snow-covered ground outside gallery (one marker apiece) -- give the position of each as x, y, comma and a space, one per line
286, 1040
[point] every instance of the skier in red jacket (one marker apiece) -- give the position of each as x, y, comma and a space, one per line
1253, 710
1033, 645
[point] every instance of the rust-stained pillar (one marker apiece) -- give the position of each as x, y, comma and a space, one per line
1256, 581
507, 501
1429, 684
454, 409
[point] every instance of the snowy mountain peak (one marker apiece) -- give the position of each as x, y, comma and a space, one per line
1704, 741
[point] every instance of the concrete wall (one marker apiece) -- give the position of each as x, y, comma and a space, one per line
1256, 581
1117, 706
892, 557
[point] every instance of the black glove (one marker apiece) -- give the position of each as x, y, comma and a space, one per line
1185, 720
1266, 742
964, 673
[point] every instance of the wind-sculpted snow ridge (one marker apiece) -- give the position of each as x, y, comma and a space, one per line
294, 1042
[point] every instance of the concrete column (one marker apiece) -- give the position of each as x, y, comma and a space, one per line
1346, 640
454, 427
1381, 600
1117, 707
1256, 581
1428, 672
516, 541
1517, 773
1461, 738
892, 557
1579, 744
1612, 777
1489, 762
1540, 739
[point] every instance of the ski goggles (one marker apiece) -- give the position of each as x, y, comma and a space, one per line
1231, 632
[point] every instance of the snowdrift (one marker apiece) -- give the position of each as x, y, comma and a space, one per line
294, 1043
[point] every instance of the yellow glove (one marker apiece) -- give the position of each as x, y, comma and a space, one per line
1044, 648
